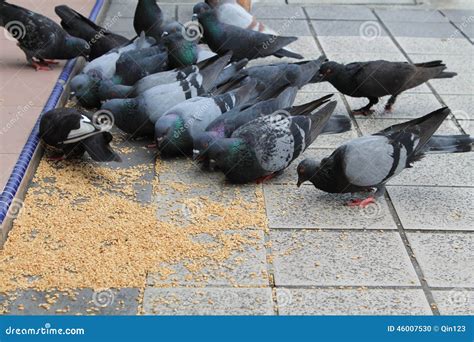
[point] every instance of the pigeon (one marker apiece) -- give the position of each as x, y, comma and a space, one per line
379, 78
175, 130
149, 19
74, 132
100, 39
182, 50
110, 90
368, 162
138, 115
243, 43
264, 147
85, 85
40, 38
226, 124
230, 12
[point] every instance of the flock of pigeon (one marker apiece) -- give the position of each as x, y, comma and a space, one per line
204, 101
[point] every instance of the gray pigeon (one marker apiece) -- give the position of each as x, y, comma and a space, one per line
74, 132
243, 43
175, 130
265, 146
40, 38
138, 115
85, 86
379, 78
369, 162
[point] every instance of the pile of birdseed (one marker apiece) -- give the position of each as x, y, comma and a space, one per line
81, 226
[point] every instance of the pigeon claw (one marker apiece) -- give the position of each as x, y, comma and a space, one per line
151, 146
264, 178
40, 66
49, 62
361, 203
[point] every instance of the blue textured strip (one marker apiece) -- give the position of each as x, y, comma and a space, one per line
13, 183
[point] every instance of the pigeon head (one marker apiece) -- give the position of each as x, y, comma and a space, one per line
202, 144
108, 90
172, 27
79, 46
328, 70
123, 110
224, 153
85, 88
306, 170
172, 136
201, 10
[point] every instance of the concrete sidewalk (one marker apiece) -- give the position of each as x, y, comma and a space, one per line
409, 254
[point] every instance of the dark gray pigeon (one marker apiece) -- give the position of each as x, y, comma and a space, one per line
379, 78
182, 51
176, 129
265, 146
226, 124
40, 38
137, 116
243, 43
369, 162
149, 19
100, 39
74, 132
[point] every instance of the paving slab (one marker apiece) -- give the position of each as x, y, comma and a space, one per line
127, 8
247, 267
433, 208
420, 16
348, 28
461, 106
349, 57
370, 125
185, 13
459, 85
265, 11
357, 44
467, 126
454, 45
342, 13
308, 207
73, 302
288, 27
425, 30
208, 301
455, 301
356, 258
458, 15
360, 301
353, 2
445, 258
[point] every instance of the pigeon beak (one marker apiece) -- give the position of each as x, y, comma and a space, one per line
298, 184
164, 34
159, 140
196, 155
194, 17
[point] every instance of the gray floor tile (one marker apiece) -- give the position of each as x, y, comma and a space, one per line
409, 15
185, 13
73, 302
266, 11
458, 15
353, 2
352, 302
348, 28
357, 44
361, 258
425, 30
439, 170
436, 46
455, 301
342, 13
445, 258
370, 125
408, 106
459, 85
124, 24
366, 57
208, 301
246, 267
308, 207
467, 126
435, 208
127, 9
460, 105
288, 27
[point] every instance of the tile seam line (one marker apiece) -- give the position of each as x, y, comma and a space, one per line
26, 154
391, 207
